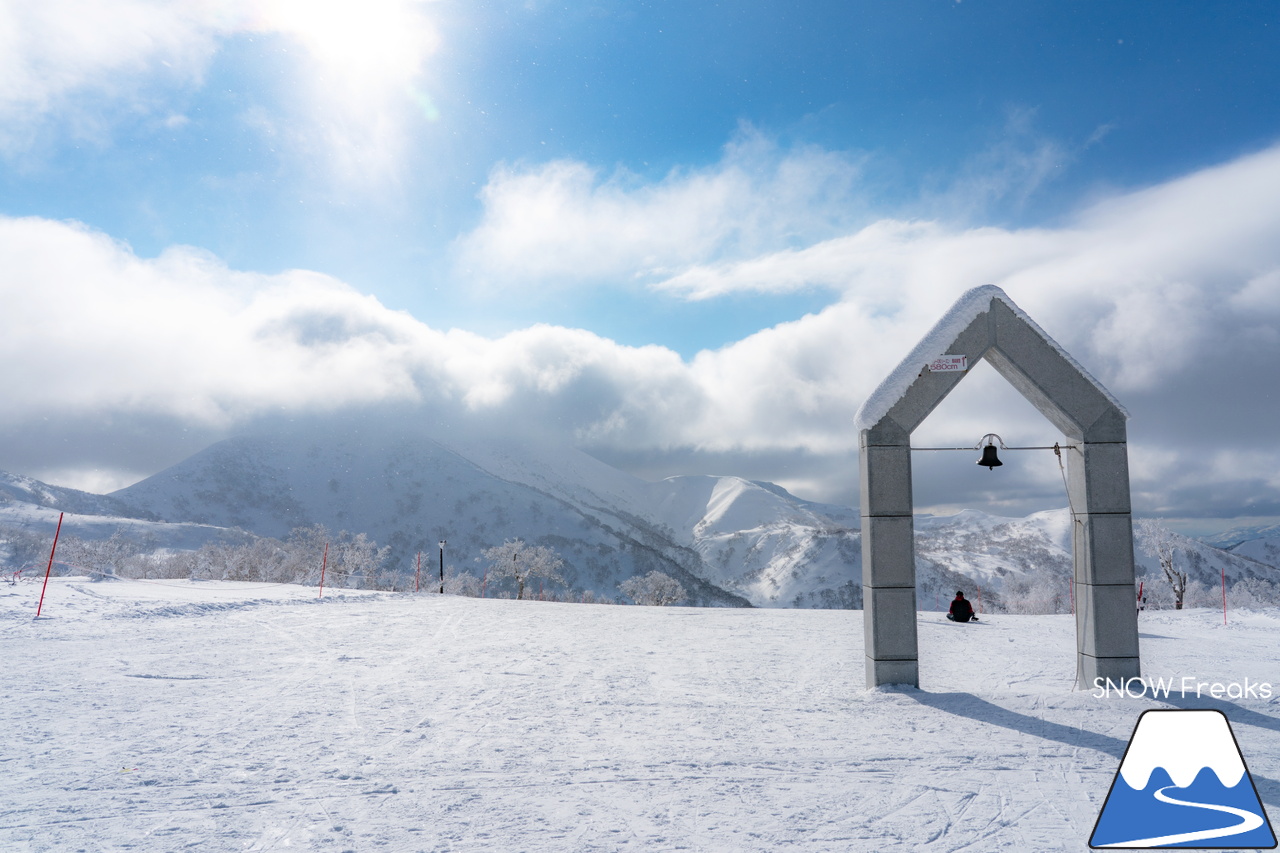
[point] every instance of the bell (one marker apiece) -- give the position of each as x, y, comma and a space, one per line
989, 457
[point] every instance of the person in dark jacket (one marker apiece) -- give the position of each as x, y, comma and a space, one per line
961, 609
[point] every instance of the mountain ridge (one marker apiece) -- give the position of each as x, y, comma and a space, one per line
731, 541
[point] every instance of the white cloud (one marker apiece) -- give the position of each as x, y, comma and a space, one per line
1138, 286
1167, 295
80, 67
565, 223
99, 329
58, 53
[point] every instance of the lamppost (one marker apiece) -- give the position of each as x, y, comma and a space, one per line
442, 544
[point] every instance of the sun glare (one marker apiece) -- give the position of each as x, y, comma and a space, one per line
372, 42
360, 78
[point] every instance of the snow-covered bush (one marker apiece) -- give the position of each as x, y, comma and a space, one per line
517, 560
1037, 595
120, 555
24, 549
461, 583
1253, 593
656, 588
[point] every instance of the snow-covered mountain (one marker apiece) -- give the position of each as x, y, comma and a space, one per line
762, 542
1229, 539
30, 510
730, 541
1264, 549
1029, 559
16, 489
1257, 542
408, 491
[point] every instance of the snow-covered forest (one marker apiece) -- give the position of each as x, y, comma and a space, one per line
1010, 566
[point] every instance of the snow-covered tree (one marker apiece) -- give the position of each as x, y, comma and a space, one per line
98, 558
358, 558
461, 583
656, 588
305, 549
1163, 543
1253, 593
520, 561
24, 548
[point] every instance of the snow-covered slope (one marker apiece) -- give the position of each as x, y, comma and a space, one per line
1256, 542
405, 723
408, 491
30, 512
1204, 564
990, 556
1028, 560
16, 489
1229, 539
727, 538
1264, 549
763, 543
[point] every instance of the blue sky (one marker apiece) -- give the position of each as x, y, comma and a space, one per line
657, 225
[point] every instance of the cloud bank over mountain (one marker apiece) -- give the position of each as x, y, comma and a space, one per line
1170, 295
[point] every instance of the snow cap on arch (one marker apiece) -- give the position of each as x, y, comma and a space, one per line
985, 323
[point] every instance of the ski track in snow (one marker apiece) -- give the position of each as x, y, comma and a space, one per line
204, 716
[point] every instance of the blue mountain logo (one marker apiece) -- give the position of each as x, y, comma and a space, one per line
1183, 783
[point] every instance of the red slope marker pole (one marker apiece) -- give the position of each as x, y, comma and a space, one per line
47, 571
1224, 595
323, 564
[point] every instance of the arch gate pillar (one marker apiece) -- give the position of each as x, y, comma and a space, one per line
985, 323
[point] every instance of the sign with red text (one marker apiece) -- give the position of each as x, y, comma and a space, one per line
949, 364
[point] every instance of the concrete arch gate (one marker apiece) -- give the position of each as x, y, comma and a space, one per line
985, 324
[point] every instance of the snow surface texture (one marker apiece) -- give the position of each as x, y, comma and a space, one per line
935, 344
163, 716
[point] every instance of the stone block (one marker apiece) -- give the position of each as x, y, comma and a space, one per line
1100, 474
1117, 669
888, 551
889, 623
884, 431
1110, 427
1107, 620
1104, 549
885, 480
882, 672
